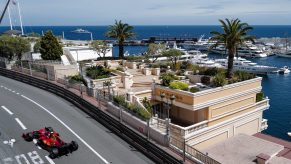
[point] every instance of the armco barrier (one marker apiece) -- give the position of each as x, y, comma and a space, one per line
139, 142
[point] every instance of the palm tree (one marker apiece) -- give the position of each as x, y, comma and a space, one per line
234, 35
120, 31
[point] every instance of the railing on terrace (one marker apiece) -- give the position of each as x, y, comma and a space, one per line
159, 124
199, 155
47, 62
191, 152
183, 131
263, 103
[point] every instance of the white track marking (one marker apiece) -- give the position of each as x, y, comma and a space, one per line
13, 91
49, 159
17, 93
35, 142
20, 123
83, 141
7, 110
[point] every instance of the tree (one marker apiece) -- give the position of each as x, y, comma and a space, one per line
50, 48
6, 49
173, 55
20, 47
167, 78
234, 35
155, 50
13, 47
120, 31
100, 46
36, 47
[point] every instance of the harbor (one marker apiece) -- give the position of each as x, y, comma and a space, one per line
187, 93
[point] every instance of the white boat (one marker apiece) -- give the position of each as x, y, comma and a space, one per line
82, 31
201, 44
241, 64
205, 62
289, 134
284, 70
248, 51
286, 54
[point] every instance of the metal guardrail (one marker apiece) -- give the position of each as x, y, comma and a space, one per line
139, 142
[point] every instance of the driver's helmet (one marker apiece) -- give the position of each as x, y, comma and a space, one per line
49, 130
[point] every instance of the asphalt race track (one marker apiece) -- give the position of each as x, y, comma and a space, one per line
24, 108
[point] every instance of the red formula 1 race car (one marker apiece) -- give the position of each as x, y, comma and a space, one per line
50, 140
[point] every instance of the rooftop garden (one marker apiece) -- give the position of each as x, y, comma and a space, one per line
98, 72
208, 77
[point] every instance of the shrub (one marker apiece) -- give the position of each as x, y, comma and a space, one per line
211, 71
178, 66
120, 69
77, 79
194, 89
179, 85
180, 72
98, 72
167, 78
206, 80
219, 80
242, 76
134, 58
260, 96
142, 113
147, 104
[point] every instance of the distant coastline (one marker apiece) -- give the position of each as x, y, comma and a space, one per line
146, 31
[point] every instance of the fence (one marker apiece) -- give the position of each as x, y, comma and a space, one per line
139, 142
191, 152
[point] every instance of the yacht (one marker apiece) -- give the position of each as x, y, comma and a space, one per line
81, 31
241, 64
248, 51
205, 62
286, 54
201, 45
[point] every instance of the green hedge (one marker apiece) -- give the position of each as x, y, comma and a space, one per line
194, 89
260, 96
98, 72
179, 85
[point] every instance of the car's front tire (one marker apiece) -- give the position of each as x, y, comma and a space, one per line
74, 146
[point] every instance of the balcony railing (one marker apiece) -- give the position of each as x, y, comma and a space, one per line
264, 124
183, 131
191, 152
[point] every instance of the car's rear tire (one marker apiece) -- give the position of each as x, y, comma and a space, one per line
54, 153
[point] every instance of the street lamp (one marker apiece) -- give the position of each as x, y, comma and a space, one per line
172, 98
163, 95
